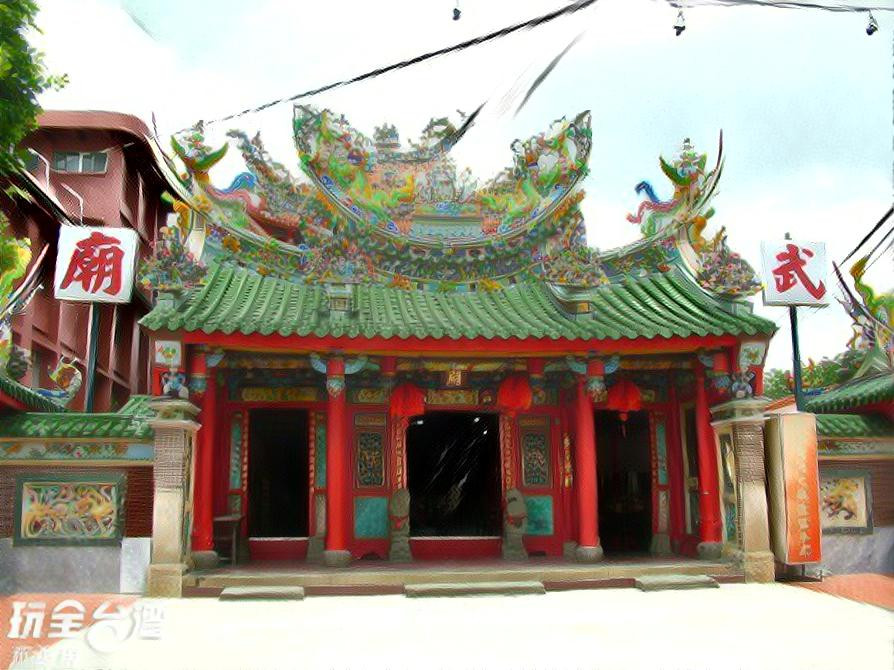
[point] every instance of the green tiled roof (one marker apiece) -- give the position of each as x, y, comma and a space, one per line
868, 390
853, 425
27, 396
128, 422
661, 305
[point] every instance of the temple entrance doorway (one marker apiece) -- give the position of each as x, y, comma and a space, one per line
277, 474
453, 474
624, 473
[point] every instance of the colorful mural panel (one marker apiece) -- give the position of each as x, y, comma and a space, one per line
24, 450
845, 499
82, 508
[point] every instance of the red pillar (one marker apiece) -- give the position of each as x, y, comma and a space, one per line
203, 493
337, 491
675, 468
585, 473
709, 497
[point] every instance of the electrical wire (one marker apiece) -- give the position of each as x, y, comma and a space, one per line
475, 41
872, 232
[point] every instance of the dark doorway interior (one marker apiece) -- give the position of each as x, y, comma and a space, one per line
277, 473
625, 481
453, 470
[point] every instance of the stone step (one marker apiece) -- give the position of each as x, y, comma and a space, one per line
675, 582
474, 589
262, 593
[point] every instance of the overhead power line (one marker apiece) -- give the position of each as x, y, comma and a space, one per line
482, 39
534, 23
869, 235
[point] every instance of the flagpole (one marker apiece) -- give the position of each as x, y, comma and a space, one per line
796, 354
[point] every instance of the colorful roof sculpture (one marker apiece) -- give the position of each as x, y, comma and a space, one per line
414, 246
873, 383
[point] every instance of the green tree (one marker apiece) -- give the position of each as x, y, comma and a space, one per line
815, 375
776, 384
22, 78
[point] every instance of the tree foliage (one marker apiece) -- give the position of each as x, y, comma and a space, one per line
22, 78
814, 375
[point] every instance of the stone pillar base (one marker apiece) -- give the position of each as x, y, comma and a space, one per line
710, 551
316, 544
588, 554
205, 560
336, 558
165, 580
399, 550
661, 544
758, 566
569, 550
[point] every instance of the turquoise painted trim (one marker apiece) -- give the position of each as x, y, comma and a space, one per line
661, 452
370, 517
540, 515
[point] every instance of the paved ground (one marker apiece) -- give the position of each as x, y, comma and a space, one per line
868, 588
739, 626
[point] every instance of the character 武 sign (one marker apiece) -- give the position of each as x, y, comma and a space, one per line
794, 273
95, 264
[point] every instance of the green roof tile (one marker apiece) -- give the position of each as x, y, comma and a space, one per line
853, 425
868, 390
27, 396
662, 305
128, 422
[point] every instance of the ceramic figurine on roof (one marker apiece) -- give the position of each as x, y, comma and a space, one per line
693, 190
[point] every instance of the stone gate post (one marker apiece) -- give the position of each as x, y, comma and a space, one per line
739, 437
175, 432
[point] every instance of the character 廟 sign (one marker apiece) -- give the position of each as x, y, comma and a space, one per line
794, 273
95, 264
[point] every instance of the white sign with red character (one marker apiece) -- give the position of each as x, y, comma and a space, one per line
95, 264
795, 273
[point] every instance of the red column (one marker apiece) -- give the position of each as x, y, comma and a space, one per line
585, 475
675, 467
203, 493
709, 497
337, 491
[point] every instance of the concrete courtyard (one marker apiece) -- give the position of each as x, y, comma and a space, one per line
741, 626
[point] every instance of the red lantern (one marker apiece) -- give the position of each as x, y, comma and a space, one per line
407, 400
721, 363
514, 394
624, 397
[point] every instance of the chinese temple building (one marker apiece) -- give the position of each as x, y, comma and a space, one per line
390, 360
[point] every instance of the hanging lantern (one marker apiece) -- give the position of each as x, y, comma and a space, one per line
514, 394
721, 363
407, 400
624, 397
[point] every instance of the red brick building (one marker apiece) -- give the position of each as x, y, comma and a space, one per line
98, 169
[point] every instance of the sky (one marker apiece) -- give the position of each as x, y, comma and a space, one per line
803, 97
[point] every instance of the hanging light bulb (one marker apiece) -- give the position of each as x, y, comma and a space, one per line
680, 25
872, 27
456, 12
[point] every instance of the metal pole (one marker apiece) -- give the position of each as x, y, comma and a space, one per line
796, 354
796, 359
92, 351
